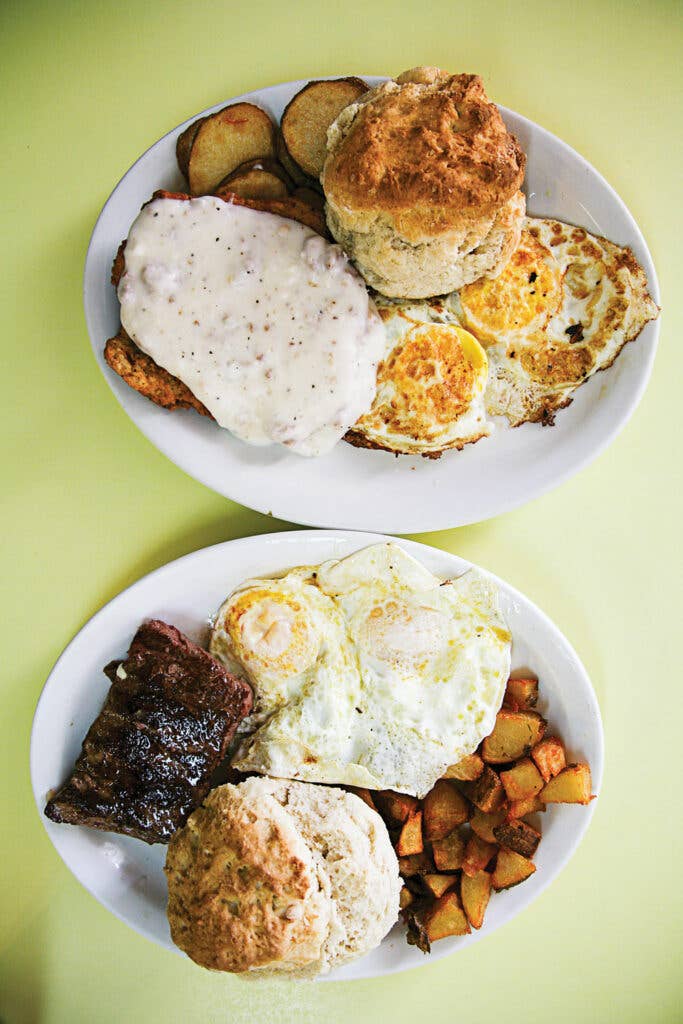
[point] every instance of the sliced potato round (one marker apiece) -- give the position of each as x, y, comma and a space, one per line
224, 141
310, 113
293, 169
184, 142
310, 196
258, 179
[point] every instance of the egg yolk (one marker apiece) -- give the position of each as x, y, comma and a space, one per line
398, 632
271, 631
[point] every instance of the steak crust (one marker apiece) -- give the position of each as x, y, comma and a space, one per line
148, 758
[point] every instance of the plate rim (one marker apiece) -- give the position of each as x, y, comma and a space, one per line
357, 539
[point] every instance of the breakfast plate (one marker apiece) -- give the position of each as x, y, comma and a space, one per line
126, 875
355, 488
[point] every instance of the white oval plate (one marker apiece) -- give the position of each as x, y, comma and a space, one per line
370, 490
126, 875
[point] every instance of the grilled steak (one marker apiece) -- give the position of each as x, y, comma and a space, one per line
148, 757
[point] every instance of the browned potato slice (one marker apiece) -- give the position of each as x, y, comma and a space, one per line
520, 808
410, 840
513, 736
521, 694
467, 770
478, 853
292, 168
549, 757
258, 179
522, 781
184, 142
225, 140
396, 806
418, 864
483, 824
448, 853
439, 884
405, 898
445, 918
310, 113
487, 792
475, 892
518, 836
444, 809
571, 786
511, 869
310, 196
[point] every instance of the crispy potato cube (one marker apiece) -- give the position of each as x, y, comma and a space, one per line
467, 770
521, 694
549, 757
410, 840
445, 918
395, 806
475, 892
522, 781
518, 836
417, 864
444, 809
483, 824
511, 869
439, 884
405, 898
486, 792
365, 795
571, 786
478, 853
513, 736
520, 808
310, 113
449, 852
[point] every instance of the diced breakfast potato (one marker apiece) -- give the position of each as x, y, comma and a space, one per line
309, 114
410, 840
365, 795
396, 806
549, 757
520, 808
439, 884
521, 694
511, 869
418, 864
222, 142
258, 179
522, 781
518, 836
571, 786
448, 853
444, 809
486, 792
483, 824
405, 898
467, 770
475, 892
478, 853
513, 736
445, 918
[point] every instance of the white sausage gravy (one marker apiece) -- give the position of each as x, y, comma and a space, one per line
266, 323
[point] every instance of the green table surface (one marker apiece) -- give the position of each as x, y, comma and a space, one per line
89, 505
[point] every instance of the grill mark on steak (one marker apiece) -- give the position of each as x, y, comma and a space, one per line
148, 758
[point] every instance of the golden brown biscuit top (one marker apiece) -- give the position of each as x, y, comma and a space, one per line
430, 143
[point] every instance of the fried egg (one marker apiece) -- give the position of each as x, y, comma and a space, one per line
368, 671
430, 383
562, 309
